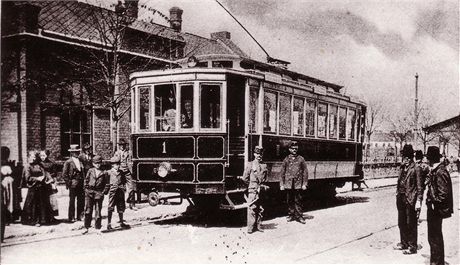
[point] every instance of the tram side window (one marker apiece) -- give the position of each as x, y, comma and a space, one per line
333, 122
297, 116
210, 106
165, 108
342, 122
270, 100
310, 118
253, 106
351, 124
144, 108
186, 101
285, 114
322, 119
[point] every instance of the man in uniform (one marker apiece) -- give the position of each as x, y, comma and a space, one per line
408, 201
73, 176
254, 175
439, 202
294, 176
126, 167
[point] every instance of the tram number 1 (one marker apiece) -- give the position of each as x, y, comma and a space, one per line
164, 147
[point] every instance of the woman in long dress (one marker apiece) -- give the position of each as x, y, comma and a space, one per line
50, 180
37, 209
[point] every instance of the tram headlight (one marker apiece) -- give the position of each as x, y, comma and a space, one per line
163, 169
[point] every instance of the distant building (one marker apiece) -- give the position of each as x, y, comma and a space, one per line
382, 148
447, 136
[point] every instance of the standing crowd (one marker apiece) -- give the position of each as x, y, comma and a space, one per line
86, 181
417, 175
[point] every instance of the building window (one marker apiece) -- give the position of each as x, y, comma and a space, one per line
186, 106
144, 108
285, 114
270, 100
333, 122
210, 106
342, 123
310, 118
75, 128
253, 106
165, 108
322, 119
297, 116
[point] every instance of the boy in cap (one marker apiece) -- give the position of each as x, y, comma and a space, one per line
116, 187
254, 175
439, 201
95, 182
294, 176
408, 201
125, 166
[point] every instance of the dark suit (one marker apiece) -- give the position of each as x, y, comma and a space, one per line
409, 191
74, 182
95, 182
294, 175
440, 205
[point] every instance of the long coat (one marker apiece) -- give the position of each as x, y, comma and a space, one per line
255, 174
410, 182
439, 193
72, 176
95, 184
294, 171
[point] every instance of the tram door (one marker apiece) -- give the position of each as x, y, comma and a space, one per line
235, 115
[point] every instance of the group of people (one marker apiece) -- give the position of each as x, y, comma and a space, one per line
294, 178
417, 174
86, 181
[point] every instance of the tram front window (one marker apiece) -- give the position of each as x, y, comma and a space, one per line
210, 106
186, 101
165, 108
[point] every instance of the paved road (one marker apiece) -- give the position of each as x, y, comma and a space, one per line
360, 227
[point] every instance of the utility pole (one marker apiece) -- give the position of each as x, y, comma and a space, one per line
416, 111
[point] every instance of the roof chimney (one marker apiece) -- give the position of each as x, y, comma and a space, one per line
175, 18
132, 8
220, 35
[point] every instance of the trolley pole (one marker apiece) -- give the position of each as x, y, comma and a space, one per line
416, 112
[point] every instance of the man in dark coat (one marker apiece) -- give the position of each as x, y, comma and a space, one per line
254, 175
73, 175
409, 200
439, 202
294, 177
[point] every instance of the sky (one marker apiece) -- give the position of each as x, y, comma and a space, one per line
372, 48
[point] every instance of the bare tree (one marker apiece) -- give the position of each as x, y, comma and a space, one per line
425, 118
402, 128
374, 118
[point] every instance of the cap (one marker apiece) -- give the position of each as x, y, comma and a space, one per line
258, 150
122, 142
433, 154
115, 160
87, 146
407, 151
74, 148
97, 159
294, 144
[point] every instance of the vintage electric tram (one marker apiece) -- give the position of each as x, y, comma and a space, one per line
194, 129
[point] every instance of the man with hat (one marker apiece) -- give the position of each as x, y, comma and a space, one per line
408, 200
419, 162
86, 157
439, 202
95, 182
115, 188
294, 177
73, 176
254, 175
126, 167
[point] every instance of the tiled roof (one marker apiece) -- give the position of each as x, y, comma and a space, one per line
196, 45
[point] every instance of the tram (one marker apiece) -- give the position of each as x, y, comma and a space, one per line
194, 128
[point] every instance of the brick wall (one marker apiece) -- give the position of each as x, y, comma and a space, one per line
101, 133
9, 132
53, 135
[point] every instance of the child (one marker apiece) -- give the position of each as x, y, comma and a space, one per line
95, 183
116, 187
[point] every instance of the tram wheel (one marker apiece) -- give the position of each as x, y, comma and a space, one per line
154, 198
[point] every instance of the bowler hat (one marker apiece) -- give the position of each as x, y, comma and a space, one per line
433, 154
294, 144
418, 154
258, 150
74, 148
97, 159
122, 142
407, 151
115, 160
